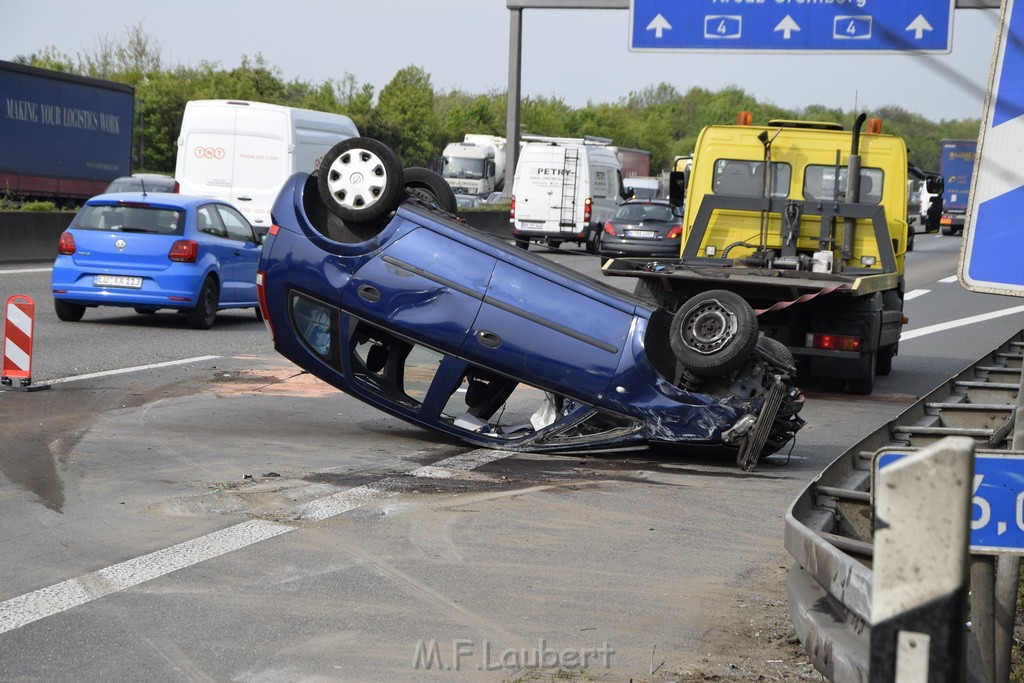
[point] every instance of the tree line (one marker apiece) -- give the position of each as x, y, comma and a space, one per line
417, 120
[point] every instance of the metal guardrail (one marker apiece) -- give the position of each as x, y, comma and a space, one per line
829, 527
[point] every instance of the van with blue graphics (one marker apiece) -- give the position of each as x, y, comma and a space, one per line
564, 190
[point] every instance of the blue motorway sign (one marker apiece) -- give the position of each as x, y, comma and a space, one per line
864, 26
993, 244
997, 500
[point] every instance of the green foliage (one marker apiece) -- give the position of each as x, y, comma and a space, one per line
38, 206
406, 118
417, 122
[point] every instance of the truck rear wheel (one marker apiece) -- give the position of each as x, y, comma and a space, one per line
714, 333
360, 180
864, 384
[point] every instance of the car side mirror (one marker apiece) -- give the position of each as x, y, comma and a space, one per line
935, 184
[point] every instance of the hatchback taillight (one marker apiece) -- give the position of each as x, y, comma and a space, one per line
675, 232
184, 251
261, 296
609, 229
67, 244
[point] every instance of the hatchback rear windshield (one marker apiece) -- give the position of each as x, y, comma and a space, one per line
147, 219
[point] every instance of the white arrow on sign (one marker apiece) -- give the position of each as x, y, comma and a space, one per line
658, 25
787, 26
919, 25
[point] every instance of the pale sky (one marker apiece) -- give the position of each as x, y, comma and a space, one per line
577, 55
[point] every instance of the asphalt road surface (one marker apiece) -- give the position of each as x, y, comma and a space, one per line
187, 505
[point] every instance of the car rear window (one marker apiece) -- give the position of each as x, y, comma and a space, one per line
133, 218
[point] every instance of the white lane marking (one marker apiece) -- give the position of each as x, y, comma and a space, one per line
942, 327
25, 609
39, 604
951, 278
25, 270
913, 294
137, 368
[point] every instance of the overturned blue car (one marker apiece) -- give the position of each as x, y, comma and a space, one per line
369, 281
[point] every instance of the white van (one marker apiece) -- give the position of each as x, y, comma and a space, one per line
564, 190
243, 152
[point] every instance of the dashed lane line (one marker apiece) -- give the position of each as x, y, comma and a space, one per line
39, 604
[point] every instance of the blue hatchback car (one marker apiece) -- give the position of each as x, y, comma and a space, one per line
157, 251
370, 282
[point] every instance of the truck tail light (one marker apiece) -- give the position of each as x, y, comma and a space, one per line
609, 229
512, 209
676, 231
587, 206
66, 246
834, 342
184, 251
261, 296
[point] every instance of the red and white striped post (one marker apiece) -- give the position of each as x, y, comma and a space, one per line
19, 319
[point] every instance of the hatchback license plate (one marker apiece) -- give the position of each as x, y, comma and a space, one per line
641, 233
126, 281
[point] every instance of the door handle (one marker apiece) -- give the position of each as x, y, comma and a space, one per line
488, 339
245, 199
368, 293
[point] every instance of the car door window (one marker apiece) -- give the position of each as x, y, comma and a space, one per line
208, 221
237, 227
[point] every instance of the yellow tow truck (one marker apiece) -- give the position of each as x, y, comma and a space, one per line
807, 222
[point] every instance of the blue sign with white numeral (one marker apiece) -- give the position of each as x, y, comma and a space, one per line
993, 245
997, 500
865, 26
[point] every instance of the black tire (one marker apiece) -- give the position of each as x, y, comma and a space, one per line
360, 180
910, 239
205, 312
422, 183
864, 384
778, 353
591, 245
259, 314
145, 311
554, 244
714, 333
948, 232
883, 363
68, 312
522, 244
651, 291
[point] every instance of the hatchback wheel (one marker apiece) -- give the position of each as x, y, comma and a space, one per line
205, 312
422, 183
360, 180
68, 312
714, 333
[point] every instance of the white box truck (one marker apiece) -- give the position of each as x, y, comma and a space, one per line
476, 165
244, 151
564, 190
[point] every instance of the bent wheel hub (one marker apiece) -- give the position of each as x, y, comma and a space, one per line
709, 328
